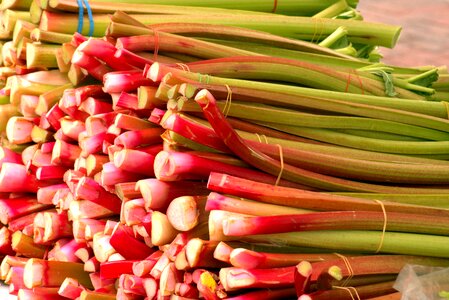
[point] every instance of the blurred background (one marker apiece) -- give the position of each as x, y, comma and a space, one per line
424, 39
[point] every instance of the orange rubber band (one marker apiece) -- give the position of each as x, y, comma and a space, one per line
275, 6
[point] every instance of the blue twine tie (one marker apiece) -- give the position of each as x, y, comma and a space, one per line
81, 16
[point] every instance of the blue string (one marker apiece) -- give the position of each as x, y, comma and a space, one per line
91, 19
81, 16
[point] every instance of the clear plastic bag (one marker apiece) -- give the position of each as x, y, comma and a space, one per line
423, 283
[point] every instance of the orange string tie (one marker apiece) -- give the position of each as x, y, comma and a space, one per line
321, 21
348, 82
275, 6
360, 82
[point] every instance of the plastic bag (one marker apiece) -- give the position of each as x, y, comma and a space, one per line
423, 283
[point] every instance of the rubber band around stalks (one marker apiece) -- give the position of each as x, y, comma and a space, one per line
81, 4
321, 23
348, 82
200, 78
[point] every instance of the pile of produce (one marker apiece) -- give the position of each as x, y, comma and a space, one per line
222, 150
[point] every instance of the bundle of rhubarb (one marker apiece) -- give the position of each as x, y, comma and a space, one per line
166, 159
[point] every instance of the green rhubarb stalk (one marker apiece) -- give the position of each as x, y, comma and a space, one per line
334, 37
233, 34
379, 135
308, 7
374, 264
50, 98
35, 12
143, 7
333, 10
366, 241
434, 200
272, 114
10, 17
39, 35
332, 150
178, 44
295, 71
366, 143
293, 27
21, 29
325, 59
401, 110
15, 4
368, 291
20, 86
40, 55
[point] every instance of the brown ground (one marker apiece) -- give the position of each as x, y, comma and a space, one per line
425, 29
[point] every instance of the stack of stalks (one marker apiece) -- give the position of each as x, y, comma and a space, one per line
165, 159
